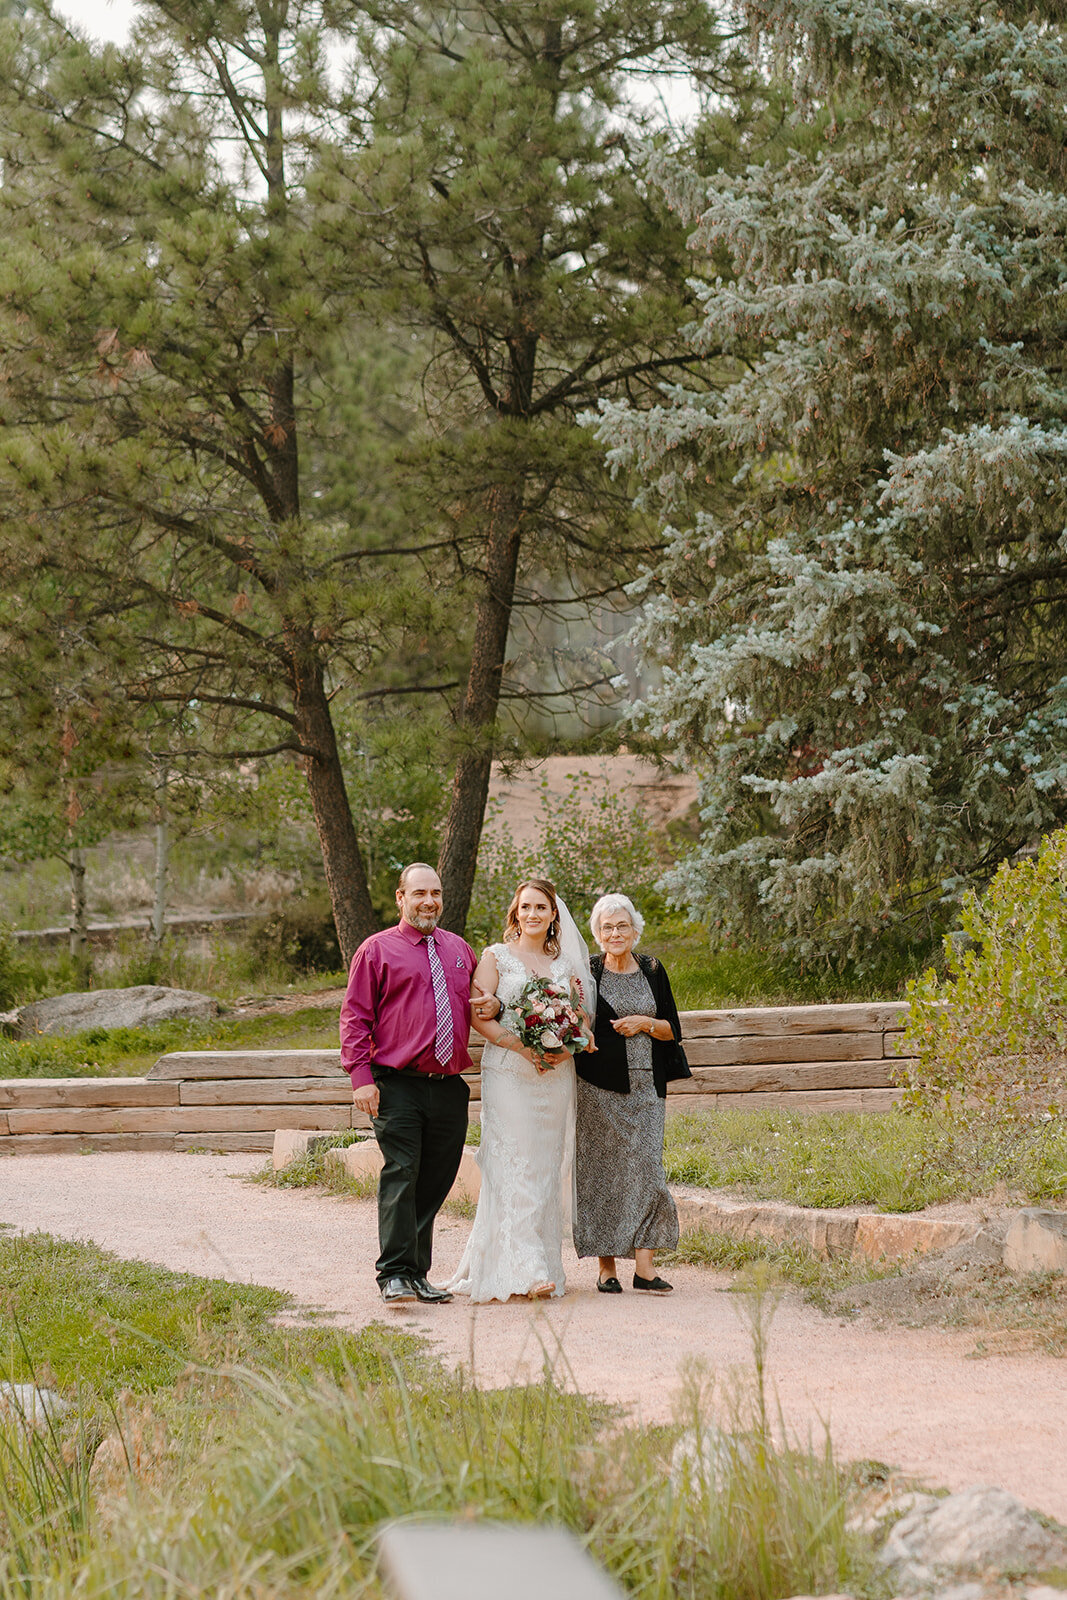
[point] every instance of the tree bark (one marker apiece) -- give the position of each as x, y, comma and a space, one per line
458, 859
79, 927
159, 907
342, 861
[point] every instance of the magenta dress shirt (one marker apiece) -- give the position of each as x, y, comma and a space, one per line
389, 1018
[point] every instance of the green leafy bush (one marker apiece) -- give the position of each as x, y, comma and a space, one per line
990, 1038
301, 937
9, 971
587, 843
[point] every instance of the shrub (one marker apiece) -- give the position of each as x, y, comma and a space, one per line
990, 1037
300, 936
10, 975
587, 843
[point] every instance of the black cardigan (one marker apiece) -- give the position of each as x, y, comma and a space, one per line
606, 1065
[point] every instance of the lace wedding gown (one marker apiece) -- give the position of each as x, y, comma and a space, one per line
526, 1156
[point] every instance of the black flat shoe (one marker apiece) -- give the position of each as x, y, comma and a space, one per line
609, 1285
653, 1285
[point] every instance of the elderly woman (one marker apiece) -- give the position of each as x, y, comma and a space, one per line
624, 1207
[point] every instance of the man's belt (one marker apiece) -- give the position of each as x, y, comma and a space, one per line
416, 1072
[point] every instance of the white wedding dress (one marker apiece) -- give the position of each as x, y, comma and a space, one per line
526, 1157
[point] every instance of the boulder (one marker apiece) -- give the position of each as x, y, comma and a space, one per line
885, 1503
1037, 1242
973, 1533
112, 1008
705, 1459
30, 1406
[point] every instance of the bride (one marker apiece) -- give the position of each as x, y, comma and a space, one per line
516, 1243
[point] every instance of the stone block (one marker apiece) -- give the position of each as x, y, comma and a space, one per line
825, 1233
784, 1077
231, 1143
293, 1144
1037, 1242
881, 1237
37, 1093
786, 1050
364, 1160
784, 1021
248, 1064
279, 1092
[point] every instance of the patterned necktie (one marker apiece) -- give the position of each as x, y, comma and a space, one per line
443, 1043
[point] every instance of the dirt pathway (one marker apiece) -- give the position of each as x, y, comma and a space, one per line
909, 1397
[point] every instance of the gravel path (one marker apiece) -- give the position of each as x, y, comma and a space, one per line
908, 1397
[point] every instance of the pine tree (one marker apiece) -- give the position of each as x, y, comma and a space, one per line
498, 207
198, 224
166, 316
860, 614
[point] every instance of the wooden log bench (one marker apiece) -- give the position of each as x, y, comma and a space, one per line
803, 1058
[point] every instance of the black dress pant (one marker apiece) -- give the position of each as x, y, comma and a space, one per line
421, 1128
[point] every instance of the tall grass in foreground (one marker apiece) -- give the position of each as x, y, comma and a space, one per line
295, 1478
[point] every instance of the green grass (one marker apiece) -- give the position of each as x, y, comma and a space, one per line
892, 1161
274, 1477
315, 1171
120, 1052
889, 1160
787, 1263
84, 1316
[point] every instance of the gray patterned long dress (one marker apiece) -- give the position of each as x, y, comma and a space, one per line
623, 1203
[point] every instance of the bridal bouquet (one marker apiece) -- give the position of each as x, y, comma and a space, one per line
548, 1017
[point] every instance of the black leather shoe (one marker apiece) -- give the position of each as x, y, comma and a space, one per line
399, 1291
609, 1285
427, 1293
653, 1285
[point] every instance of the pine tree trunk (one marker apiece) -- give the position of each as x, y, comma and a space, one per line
458, 859
346, 878
79, 926
159, 908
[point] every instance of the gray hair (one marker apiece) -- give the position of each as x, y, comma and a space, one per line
615, 902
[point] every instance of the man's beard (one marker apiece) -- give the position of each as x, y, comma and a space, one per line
425, 924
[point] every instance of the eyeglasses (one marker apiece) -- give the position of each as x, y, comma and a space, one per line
609, 928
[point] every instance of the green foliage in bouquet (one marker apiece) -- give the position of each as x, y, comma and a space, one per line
991, 1037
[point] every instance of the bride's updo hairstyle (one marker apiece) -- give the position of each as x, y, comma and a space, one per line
512, 930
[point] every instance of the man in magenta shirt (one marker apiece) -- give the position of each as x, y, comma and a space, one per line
405, 1022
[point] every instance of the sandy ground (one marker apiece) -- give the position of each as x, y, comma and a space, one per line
909, 1397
